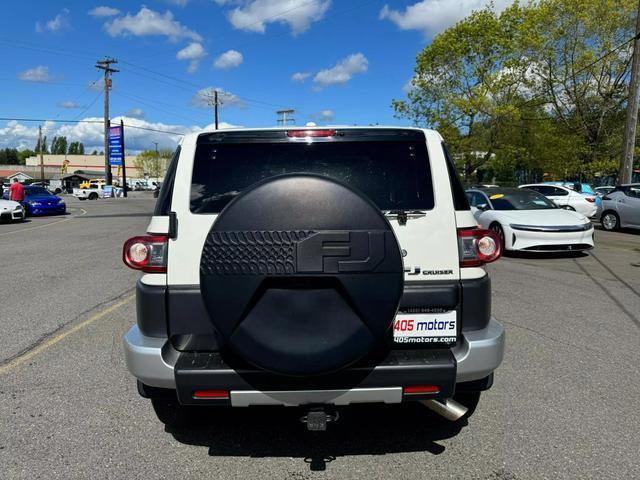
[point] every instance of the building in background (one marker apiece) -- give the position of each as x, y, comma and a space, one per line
67, 164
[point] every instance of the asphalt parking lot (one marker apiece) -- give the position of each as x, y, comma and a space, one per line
563, 404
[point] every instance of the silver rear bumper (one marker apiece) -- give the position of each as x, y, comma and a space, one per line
151, 360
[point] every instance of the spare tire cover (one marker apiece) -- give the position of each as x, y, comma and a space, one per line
301, 275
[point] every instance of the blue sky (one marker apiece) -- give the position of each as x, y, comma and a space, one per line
334, 61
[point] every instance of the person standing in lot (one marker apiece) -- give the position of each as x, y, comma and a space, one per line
16, 191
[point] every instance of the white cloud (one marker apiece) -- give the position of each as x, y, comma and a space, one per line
300, 77
204, 98
409, 87
179, 3
60, 22
229, 59
135, 113
343, 71
18, 135
193, 52
323, 116
433, 16
254, 15
104, 12
69, 105
148, 22
37, 74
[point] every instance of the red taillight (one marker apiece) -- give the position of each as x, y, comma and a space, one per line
147, 253
590, 199
478, 246
420, 389
216, 394
310, 133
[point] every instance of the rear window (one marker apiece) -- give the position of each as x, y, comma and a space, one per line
394, 174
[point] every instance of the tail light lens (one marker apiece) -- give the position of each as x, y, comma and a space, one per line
310, 133
590, 199
147, 253
478, 246
420, 389
208, 394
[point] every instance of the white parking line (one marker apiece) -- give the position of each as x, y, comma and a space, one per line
41, 226
53, 340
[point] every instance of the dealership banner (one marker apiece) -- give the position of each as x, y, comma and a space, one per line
115, 145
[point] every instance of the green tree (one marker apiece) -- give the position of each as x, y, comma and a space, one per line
580, 72
44, 145
153, 163
467, 84
59, 145
81, 148
541, 87
9, 156
24, 154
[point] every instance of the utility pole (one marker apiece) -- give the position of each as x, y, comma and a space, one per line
214, 102
215, 109
629, 145
284, 116
41, 155
106, 66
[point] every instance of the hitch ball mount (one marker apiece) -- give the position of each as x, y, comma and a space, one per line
317, 418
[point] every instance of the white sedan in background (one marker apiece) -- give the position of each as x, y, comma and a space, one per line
566, 198
11, 211
528, 221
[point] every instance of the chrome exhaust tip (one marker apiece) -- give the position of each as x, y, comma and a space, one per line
447, 408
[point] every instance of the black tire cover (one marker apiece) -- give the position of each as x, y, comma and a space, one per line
301, 275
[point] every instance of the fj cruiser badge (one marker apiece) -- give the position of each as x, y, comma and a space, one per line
418, 270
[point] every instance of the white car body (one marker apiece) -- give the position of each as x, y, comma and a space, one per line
11, 211
543, 230
566, 198
92, 193
430, 246
95, 192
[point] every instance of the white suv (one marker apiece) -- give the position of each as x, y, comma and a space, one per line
312, 268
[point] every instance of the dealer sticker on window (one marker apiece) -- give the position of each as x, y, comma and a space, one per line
425, 327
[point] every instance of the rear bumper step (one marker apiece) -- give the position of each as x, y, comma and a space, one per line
291, 398
152, 360
366, 382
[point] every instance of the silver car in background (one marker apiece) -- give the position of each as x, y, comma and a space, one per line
621, 207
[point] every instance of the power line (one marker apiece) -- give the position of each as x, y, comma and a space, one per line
153, 106
186, 82
53, 120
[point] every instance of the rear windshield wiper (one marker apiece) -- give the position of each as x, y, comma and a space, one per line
403, 215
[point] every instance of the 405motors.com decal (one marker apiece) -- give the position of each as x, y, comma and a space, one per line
425, 327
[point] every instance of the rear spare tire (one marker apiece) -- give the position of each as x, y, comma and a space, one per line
301, 275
